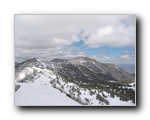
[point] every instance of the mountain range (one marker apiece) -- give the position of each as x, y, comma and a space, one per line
82, 79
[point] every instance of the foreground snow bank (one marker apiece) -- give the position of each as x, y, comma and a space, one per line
36, 94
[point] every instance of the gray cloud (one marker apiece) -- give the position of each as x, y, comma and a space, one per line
49, 35
47, 53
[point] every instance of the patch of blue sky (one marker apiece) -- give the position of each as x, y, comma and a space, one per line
104, 50
109, 51
78, 44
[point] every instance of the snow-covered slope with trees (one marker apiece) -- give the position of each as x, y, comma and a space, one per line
39, 84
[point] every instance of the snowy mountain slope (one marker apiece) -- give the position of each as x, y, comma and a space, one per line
35, 94
29, 74
41, 92
60, 75
88, 68
93, 96
29, 63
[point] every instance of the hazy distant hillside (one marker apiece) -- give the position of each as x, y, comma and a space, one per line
128, 67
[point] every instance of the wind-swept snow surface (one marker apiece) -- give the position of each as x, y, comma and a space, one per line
41, 93
36, 94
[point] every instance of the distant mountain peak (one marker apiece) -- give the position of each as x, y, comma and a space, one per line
34, 62
84, 58
81, 60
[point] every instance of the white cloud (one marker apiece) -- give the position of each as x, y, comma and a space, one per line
125, 57
126, 52
103, 29
47, 53
112, 36
45, 35
105, 58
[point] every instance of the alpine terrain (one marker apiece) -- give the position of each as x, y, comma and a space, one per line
72, 82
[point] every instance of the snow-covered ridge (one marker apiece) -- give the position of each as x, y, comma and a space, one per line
44, 81
46, 91
31, 73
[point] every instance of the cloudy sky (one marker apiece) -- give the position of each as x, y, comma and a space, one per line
107, 38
